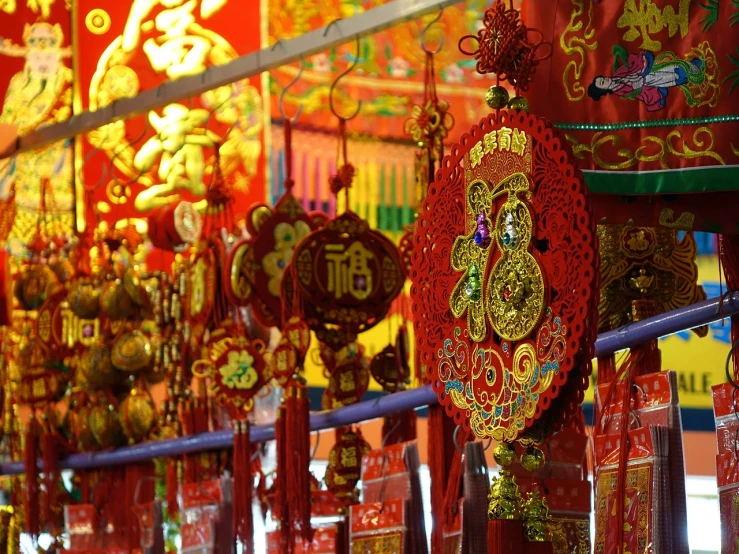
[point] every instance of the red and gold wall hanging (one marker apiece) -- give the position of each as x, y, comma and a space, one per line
167, 156
504, 272
36, 89
646, 93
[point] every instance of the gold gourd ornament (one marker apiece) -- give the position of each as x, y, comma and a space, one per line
95, 370
137, 415
84, 299
105, 425
115, 303
132, 352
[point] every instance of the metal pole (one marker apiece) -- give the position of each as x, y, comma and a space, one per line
284, 52
662, 325
698, 314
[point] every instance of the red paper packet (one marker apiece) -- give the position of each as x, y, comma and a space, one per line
654, 401
645, 501
324, 542
82, 523
727, 473
392, 473
379, 528
725, 408
206, 518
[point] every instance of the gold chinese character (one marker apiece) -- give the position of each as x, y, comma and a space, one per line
349, 457
644, 18
176, 52
348, 271
8, 6
491, 141
518, 142
504, 139
178, 145
476, 154
43, 6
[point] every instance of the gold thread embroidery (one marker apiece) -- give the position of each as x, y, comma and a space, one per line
644, 18
684, 223
575, 46
653, 149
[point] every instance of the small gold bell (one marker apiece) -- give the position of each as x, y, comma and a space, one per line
496, 97
532, 459
504, 454
519, 103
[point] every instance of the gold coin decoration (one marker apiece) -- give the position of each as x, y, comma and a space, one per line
97, 21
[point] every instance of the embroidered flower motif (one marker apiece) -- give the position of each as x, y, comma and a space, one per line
287, 236
239, 372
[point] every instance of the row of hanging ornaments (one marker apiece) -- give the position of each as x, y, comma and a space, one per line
303, 272
100, 330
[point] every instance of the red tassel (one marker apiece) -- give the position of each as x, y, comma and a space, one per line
173, 485
31, 498
505, 536
454, 484
606, 369
297, 477
50, 468
440, 452
281, 513
243, 484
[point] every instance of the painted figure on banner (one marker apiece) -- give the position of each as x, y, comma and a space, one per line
648, 78
163, 39
41, 93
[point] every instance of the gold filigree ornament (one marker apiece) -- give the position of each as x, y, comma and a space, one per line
514, 302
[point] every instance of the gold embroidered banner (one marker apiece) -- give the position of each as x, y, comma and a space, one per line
35, 89
132, 167
647, 91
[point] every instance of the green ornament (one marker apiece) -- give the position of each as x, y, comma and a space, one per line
519, 103
496, 97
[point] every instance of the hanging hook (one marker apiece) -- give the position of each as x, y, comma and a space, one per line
281, 104
426, 30
341, 76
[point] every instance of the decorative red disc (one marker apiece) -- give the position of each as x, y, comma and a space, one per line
347, 274
504, 276
276, 233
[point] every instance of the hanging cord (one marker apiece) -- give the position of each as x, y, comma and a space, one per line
287, 123
345, 174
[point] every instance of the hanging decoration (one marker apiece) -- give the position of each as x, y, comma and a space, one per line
275, 234
644, 271
602, 88
502, 328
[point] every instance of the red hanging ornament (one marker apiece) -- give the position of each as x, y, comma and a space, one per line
492, 299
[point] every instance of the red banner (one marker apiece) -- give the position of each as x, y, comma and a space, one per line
135, 166
645, 91
36, 89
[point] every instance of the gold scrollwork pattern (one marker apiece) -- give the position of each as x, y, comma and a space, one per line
516, 288
575, 44
652, 149
472, 260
